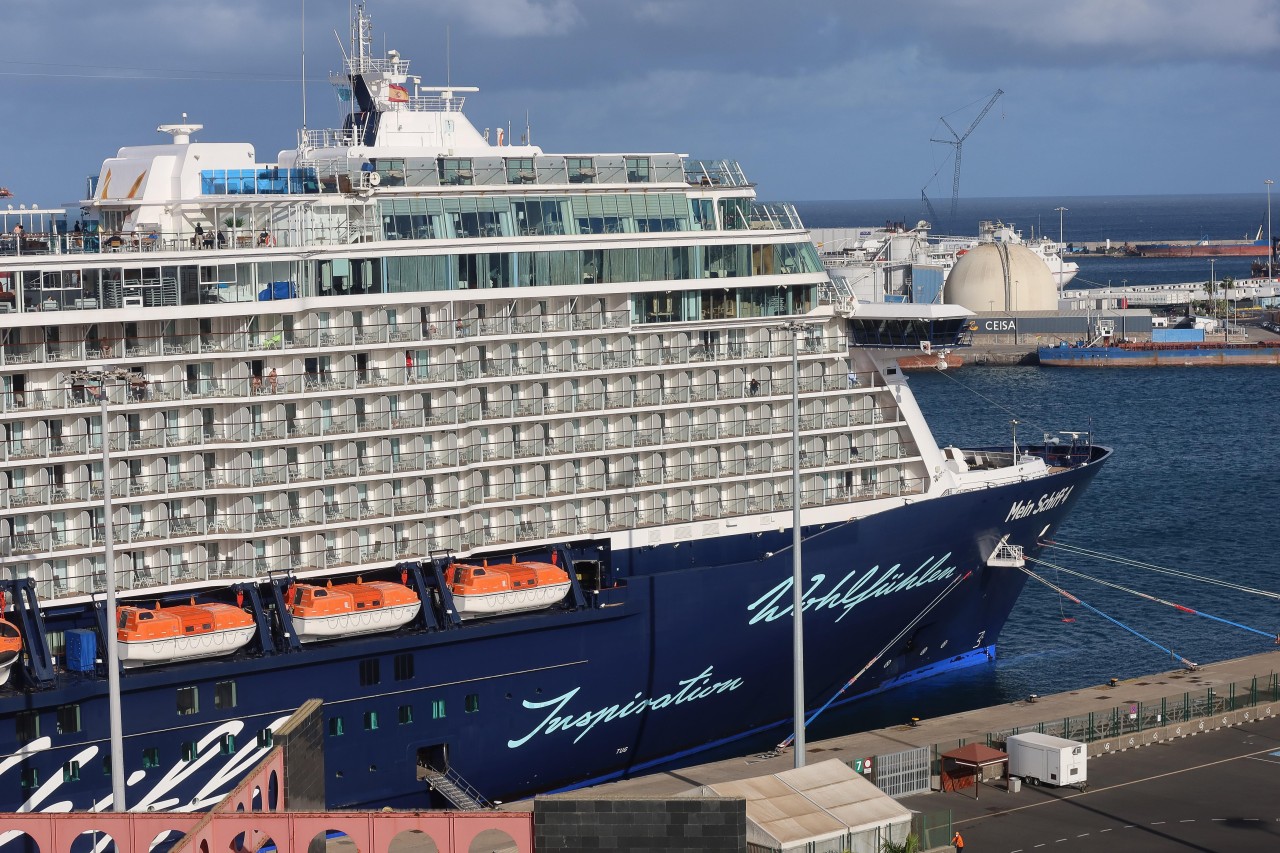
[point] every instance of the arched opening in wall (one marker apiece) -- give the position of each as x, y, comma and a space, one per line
493, 841
93, 841
165, 841
413, 841
332, 841
17, 841
256, 804
273, 792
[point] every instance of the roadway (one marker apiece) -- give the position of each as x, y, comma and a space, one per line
1215, 791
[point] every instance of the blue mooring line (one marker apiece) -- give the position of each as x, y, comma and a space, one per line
1170, 652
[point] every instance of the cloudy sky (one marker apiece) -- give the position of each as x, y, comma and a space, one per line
818, 99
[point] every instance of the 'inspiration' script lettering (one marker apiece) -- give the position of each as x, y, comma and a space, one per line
559, 719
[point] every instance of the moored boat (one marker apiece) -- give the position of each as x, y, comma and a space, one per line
1163, 354
180, 632
348, 609
491, 590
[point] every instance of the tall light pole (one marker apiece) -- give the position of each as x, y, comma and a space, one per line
797, 571
1213, 287
1061, 210
108, 555
1271, 246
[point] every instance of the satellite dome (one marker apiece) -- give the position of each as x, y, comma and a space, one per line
1001, 277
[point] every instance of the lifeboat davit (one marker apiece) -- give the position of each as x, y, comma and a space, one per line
180, 632
507, 588
348, 609
10, 647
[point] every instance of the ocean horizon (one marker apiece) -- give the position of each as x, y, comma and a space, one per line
1131, 218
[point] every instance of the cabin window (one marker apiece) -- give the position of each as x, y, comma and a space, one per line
224, 694
266, 738
369, 672
473, 702
71, 771
403, 665
188, 701
437, 709
123, 621
27, 726
370, 721
189, 750
30, 778
150, 757
404, 715
68, 719
227, 744
106, 765
335, 726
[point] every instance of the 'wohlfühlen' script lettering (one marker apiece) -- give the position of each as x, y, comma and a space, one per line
873, 583
692, 689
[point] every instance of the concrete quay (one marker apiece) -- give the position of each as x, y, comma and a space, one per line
1220, 680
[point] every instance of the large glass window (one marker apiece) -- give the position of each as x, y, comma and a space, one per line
582, 170
735, 214
540, 216
520, 170
456, 171
637, 170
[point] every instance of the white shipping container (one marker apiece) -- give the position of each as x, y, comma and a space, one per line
1047, 760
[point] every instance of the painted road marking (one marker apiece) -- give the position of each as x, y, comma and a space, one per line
1112, 787
1108, 829
1157, 822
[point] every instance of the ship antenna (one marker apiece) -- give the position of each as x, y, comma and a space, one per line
304, 70
448, 62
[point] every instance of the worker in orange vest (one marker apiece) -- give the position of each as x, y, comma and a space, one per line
958, 841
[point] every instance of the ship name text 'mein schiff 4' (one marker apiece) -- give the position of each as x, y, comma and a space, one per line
489, 449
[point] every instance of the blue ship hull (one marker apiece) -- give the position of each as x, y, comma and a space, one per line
680, 649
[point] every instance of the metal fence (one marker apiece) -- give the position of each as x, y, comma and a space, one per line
900, 774
933, 829
1136, 717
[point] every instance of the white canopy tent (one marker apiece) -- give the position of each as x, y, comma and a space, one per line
821, 807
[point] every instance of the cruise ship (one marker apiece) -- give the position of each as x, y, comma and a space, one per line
490, 449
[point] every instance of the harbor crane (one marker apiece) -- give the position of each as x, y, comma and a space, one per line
958, 142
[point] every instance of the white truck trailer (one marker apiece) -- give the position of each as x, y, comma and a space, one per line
1047, 760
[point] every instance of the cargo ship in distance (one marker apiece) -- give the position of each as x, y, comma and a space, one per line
1205, 248
490, 449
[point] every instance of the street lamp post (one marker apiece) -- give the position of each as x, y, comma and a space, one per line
797, 572
1271, 246
1061, 210
108, 555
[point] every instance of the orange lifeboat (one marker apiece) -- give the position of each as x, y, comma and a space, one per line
10, 646
348, 609
507, 588
180, 632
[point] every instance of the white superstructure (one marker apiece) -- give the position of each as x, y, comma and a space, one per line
402, 338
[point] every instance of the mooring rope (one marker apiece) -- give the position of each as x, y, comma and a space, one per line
1170, 652
1179, 607
1152, 567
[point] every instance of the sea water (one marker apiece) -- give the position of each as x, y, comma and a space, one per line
1191, 487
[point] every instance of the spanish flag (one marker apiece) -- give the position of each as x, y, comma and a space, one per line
399, 94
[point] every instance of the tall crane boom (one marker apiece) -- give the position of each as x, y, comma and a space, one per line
958, 143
